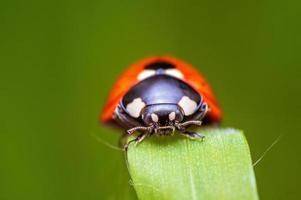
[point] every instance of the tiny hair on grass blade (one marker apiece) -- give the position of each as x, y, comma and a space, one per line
172, 168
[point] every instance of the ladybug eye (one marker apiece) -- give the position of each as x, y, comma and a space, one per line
145, 74
204, 107
175, 73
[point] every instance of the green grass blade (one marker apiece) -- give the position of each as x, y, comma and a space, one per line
219, 167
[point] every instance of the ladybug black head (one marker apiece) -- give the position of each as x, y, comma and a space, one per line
162, 117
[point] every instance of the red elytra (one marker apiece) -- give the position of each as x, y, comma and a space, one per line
130, 78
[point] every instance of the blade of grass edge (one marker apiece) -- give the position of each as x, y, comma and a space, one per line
171, 168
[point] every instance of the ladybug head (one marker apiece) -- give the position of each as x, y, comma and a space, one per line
162, 117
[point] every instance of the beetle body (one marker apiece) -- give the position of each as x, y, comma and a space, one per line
159, 95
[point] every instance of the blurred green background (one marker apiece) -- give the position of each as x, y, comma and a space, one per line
59, 59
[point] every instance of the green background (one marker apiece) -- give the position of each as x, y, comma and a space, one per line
59, 59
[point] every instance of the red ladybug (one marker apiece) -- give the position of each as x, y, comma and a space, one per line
159, 95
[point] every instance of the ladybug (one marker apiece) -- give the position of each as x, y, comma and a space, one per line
159, 95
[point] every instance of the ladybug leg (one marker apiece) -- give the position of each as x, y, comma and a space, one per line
192, 122
146, 131
123, 140
138, 128
137, 140
182, 126
192, 135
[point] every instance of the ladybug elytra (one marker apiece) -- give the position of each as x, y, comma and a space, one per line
159, 95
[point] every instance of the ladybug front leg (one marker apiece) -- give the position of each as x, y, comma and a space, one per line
137, 140
191, 122
192, 135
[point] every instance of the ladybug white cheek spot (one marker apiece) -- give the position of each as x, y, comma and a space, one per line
134, 108
155, 117
145, 74
172, 116
188, 105
175, 73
